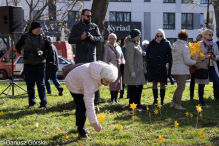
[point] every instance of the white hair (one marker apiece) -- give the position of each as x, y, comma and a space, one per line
145, 42
205, 31
109, 72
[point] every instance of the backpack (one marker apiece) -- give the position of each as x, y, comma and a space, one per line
66, 69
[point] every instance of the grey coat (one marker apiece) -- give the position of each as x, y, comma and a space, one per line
205, 62
86, 49
134, 63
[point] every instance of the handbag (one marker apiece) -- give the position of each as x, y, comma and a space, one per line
201, 73
144, 67
66, 69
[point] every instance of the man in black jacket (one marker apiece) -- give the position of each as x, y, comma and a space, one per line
85, 35
52, 66
34, 47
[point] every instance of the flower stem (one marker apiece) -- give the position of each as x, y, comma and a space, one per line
197, 121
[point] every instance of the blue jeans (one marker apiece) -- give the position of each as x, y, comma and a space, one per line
53, 75
35, 74
214, 77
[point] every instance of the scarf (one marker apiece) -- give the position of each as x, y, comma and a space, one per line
209, 44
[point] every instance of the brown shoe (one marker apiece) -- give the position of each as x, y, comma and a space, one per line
179, 107
80, 136
172, 104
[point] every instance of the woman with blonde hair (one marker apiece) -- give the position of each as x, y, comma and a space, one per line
114, 55
158, 54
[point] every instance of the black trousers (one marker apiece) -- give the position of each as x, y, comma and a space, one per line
192, 85
97, 96
216, 92
135, 93
80, 112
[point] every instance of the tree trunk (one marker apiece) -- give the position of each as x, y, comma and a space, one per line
216, 11
99, 9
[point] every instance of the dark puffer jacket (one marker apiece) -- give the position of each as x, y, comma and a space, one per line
157, 56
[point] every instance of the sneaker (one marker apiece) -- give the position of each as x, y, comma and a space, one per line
60, 91
42, 108
83, 136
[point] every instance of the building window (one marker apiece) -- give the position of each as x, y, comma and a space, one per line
186, 20
74, 16
190, 40
168, 1
187, 1
120, 16
205, 1
120, 0
168, 20
201, 19
171, 40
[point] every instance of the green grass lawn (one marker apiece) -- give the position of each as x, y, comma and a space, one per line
56, 125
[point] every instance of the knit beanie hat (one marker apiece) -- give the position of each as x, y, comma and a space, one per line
134, 33
112, 35
34, 25
160, 31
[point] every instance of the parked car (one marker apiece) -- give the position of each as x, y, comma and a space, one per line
64, 49
18, 66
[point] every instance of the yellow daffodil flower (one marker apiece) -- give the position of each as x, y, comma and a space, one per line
1, 113
200, 115
147, 108
156, 112
37, 124
101, 117
134, 117
198, 108
133, 106
187, 114
121, 127
176, 124
201, 134
159, 105
149, 114
31, 116
66, 137
160, 138
51, 135
191, 115
202, 54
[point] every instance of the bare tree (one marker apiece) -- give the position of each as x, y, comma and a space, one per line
41, 6
99, 9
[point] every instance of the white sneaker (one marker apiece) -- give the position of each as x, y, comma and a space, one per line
179, 107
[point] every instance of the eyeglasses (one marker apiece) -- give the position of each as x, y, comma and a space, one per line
88, 16
159, 36
210, 34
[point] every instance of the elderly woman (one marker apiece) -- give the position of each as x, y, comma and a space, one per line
210, 50
82, 82
180, 68
158, 54
133, 72
192, 71
114, 55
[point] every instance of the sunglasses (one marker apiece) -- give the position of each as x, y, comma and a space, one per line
210, 34
88, 16
159, 36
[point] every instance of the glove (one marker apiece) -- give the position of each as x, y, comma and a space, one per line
133, 75
97, 127
143, 53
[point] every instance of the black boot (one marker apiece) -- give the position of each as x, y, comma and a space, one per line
162, 95
116, 96
155, 93
112, 96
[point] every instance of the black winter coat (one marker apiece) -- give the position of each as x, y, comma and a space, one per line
86, 49
157, 56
